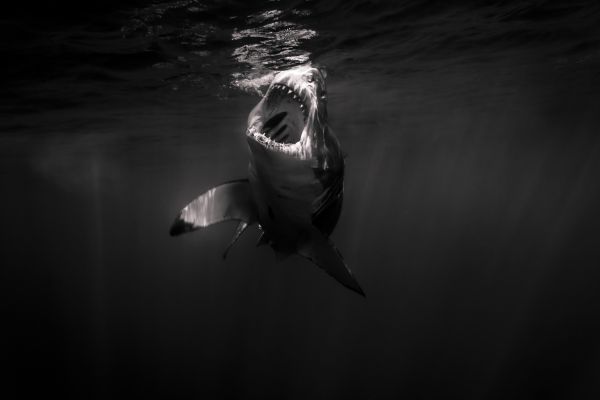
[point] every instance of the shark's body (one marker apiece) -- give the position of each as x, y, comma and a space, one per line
295, 179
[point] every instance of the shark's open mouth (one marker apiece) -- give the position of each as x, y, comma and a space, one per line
284, 116
289, 115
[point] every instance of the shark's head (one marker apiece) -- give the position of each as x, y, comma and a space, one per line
292, 116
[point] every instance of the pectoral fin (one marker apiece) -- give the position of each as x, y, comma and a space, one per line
229, 201
321, 251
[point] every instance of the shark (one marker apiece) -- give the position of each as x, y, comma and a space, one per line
295, 184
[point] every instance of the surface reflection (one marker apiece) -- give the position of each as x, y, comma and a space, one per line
259, 41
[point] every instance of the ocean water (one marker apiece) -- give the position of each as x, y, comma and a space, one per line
470, 217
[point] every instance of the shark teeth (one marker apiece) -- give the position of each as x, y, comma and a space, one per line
294, 149
290, 92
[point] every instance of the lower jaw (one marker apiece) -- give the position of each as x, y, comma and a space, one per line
295, 150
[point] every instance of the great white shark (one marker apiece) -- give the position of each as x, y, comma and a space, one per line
295, 184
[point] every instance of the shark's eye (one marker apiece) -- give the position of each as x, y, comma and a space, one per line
310, 77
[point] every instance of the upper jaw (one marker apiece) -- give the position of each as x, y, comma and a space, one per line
294, 91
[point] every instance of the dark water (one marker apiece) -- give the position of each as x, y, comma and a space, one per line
470, 219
